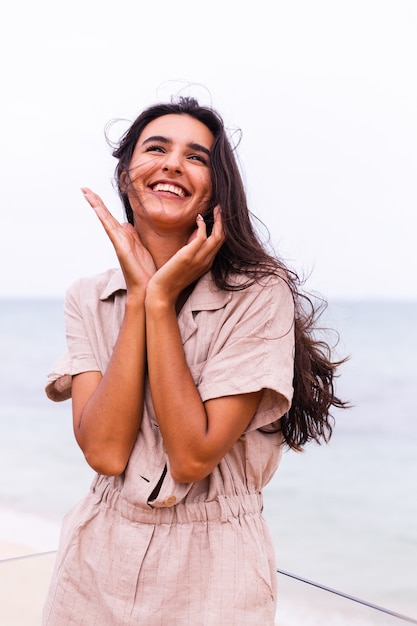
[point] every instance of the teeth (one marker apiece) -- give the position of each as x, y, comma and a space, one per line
171, 188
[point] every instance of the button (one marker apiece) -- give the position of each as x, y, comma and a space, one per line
170, 501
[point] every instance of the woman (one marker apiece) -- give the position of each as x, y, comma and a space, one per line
181, 372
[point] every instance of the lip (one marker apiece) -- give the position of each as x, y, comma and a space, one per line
173, 183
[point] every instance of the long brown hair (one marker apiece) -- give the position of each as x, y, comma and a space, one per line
309, 417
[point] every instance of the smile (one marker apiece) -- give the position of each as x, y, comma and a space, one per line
177, 191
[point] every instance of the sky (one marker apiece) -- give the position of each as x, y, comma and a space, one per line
323, 95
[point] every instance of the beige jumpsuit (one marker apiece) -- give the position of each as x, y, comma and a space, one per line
196, 554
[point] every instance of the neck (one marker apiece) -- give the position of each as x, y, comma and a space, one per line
162, 246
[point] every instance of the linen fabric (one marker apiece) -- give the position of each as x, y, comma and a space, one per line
198, 553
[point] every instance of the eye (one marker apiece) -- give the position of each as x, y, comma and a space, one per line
154, 148
198, 157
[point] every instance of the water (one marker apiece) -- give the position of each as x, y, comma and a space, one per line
344, 515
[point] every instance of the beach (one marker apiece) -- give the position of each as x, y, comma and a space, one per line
24, 584
342, 515
24, 577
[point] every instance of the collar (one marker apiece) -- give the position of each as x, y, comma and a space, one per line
116, 282
205, 296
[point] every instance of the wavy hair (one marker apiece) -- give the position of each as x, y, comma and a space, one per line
309, 417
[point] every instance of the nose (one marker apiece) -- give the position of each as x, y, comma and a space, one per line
172, 164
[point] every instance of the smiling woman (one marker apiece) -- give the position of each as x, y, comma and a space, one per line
190, 368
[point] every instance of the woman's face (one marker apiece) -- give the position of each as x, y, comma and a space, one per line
170, 172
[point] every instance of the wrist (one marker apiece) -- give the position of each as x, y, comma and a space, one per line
135, 300
158, 300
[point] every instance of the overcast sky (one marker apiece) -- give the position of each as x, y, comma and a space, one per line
325, 93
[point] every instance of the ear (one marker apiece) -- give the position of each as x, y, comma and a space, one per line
123, 182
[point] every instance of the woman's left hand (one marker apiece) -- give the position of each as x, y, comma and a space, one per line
190, 262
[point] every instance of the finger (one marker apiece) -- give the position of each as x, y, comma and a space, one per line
201, 227
200, 232
95, 202
106, 218
92, 198
205, 248
217, 236
218, 230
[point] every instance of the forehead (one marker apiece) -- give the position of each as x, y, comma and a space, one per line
179, 128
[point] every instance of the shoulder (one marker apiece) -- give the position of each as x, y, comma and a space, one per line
267, 288
266, 305
267, 301
246, 283
97, 287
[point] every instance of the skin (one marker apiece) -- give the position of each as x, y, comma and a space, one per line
161, 257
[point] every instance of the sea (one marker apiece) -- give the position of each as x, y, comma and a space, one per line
343, 515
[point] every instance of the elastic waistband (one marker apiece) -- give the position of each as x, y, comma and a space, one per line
223, 508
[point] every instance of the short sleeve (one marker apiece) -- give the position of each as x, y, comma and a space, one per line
255, 350
58, 385
80, 356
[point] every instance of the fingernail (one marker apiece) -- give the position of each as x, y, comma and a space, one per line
200, 217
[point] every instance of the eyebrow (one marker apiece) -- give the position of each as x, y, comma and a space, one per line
191, 144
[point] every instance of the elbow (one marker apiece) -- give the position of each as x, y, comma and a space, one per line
109, 457
190, 471
108, 465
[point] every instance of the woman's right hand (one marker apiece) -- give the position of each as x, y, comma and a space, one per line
135, 260
107, 408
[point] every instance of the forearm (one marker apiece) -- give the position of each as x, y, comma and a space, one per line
107, 423
178, 406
